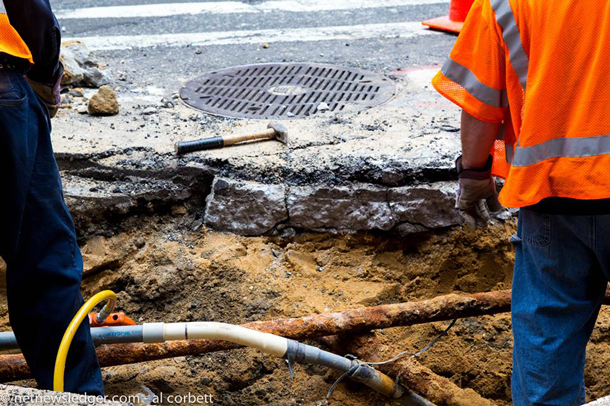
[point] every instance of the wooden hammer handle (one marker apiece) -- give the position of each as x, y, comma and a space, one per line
234, 139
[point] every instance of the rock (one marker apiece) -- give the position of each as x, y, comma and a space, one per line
179, 210
81, 67
356, 207
100, 254
139, 243
76, 92
323, 107
168, 104
426, 206
104, 103
245, 208
288, 233
149, 110
146, 395
408, 228
82, 109
600, 402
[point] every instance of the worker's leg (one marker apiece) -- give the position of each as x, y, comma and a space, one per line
38, 243
602, 243
558, 287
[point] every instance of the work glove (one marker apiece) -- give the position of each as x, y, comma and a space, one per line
49, 93
477, 194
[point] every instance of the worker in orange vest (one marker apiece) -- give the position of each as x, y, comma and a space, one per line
37, 237
530, 76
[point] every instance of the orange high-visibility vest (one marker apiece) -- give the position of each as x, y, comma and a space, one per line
10, 41
540, 67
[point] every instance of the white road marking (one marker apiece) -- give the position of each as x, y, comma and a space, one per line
232, 7
350, 32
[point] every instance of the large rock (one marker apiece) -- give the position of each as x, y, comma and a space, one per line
408, 209
245, 208
104, 103
430, 206
82, 69
355, 207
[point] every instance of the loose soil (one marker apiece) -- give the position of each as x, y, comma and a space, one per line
172, 269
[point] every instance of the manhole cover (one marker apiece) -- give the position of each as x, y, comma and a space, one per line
286, 90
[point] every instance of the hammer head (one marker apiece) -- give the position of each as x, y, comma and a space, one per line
281, 132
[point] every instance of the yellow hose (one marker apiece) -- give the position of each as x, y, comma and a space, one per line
66, 341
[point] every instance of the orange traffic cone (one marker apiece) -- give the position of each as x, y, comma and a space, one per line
458, 11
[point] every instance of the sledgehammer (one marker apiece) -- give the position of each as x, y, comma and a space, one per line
274, 131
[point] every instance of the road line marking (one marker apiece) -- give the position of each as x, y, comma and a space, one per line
232, 7
350, 33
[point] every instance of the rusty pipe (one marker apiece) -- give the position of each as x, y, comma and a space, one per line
448, 307
411, 374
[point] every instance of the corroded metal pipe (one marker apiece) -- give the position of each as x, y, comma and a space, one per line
448, 307
410, 372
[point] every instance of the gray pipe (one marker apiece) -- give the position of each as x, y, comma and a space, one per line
117, 335
100, 335
303, 353
297, 352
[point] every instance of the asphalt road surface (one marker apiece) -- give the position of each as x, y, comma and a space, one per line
159, 44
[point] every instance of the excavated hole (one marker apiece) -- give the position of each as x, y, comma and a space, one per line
164, 269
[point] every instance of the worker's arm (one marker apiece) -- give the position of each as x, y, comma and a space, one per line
478, 138
477, 194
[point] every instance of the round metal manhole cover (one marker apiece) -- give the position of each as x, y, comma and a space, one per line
286, 90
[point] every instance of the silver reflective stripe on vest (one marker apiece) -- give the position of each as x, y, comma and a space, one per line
512, 38
562, 147
2, 8
465, 78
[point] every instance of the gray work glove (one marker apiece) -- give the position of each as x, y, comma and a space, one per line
477, 194
49, 93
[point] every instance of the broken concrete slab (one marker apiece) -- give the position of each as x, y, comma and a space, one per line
354, 207
430, 206
367, 207
20, 396
98, 194
245, 208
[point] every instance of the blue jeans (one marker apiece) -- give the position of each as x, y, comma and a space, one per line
38, 243
562, 268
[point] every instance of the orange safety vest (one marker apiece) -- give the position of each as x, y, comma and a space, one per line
10, 41
540, 67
